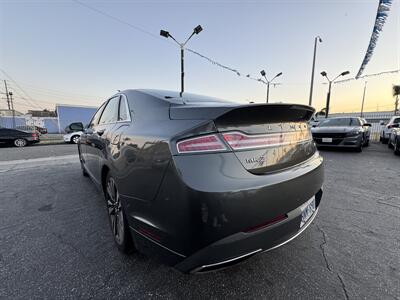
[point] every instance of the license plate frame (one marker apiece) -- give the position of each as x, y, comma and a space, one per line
327, 140
307, 211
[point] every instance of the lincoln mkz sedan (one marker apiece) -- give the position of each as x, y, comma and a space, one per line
199, 182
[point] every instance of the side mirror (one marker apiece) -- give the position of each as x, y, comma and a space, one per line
367, 124
314, 125
381, 123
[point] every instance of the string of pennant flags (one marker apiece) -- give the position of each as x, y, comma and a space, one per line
381, 16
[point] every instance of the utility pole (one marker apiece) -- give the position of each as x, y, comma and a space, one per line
362, 104
317, 38
8, 99
12, 107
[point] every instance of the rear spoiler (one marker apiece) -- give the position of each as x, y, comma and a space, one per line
243, 114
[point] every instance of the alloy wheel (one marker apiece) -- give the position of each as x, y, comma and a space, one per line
114, 209
20, 143
75, 139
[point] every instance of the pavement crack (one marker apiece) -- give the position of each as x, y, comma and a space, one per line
321, 246
346, 295
328, 266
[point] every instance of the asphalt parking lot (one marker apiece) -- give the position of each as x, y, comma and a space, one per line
55, 240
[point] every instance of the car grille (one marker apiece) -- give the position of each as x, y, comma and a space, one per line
329, 135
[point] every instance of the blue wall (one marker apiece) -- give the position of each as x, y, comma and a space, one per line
70, 114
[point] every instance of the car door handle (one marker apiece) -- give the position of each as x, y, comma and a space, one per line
100, 132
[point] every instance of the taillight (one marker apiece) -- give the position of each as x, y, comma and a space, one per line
34, 135
238, 140
205, 143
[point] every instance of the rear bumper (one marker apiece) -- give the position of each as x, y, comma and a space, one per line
205, 205
242, 245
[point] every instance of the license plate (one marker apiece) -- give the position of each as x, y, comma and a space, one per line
327, 140
307, 210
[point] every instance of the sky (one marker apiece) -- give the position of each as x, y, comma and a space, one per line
63, 52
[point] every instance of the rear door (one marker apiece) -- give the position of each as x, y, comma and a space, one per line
99, 138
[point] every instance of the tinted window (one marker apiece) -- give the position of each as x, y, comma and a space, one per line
123, 113
395, 121
340, 122
110, 113
76, 126
96, 116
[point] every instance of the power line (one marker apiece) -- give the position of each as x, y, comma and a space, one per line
34, 104
138, 28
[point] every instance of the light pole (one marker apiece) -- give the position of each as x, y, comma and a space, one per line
263, 74
362, 104
166, 34
328, 96
317, 38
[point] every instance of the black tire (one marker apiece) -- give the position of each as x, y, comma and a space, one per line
390, 146
20, 142
74, 139
360, 147
116, 216
396, 147
367, 143
384, 141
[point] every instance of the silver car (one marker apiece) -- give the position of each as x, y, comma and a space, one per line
346, 132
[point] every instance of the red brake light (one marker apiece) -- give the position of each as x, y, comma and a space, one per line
34, 135
238, 140
204, 143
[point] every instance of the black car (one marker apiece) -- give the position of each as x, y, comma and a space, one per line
18, 138
342, 132
200, 182
394, 140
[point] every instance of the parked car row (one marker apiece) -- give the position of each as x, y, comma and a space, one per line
342, 132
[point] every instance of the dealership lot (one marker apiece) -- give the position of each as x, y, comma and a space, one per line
56, 243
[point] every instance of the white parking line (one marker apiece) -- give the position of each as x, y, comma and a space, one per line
37, 162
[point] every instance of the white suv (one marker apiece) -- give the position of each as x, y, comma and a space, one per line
394, 122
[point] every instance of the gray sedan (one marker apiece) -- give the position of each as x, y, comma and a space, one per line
347, 132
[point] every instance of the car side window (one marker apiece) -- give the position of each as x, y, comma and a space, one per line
110, 113
96, 116
123, 109
397, 120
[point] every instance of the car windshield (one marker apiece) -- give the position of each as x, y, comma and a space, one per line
340, 122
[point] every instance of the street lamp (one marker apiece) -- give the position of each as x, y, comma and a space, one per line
328, 96
317, 38
166, 34
263, 74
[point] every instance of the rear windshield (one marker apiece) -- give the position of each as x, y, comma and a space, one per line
340, 122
